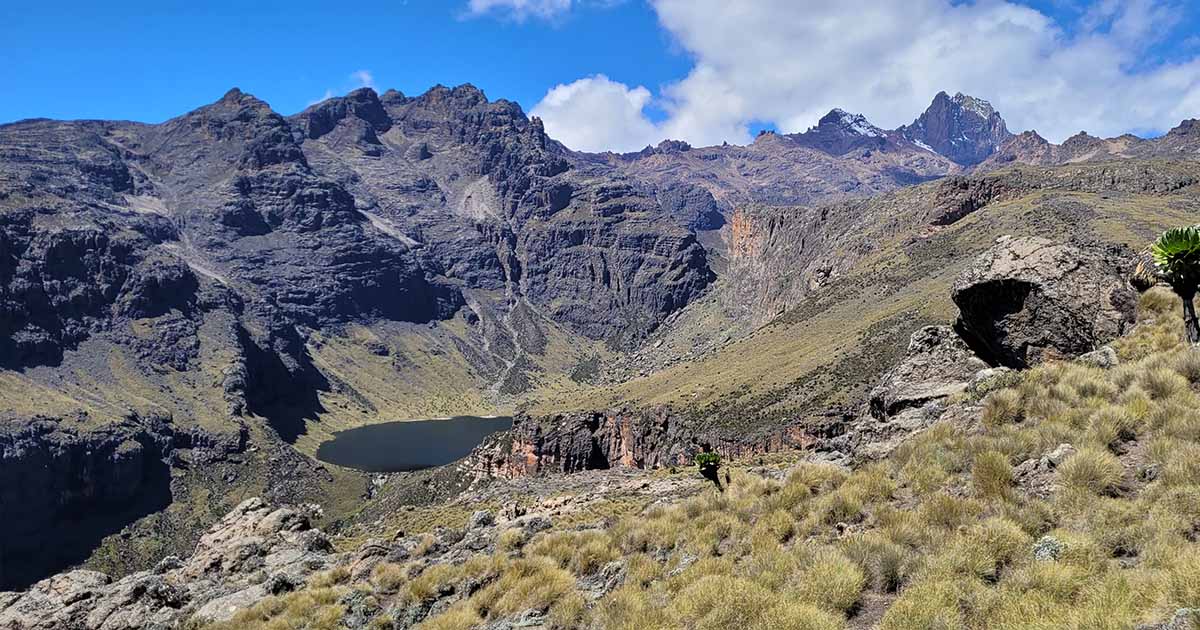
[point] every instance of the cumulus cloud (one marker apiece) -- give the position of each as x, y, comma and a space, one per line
595, 114
519, 10
788, 62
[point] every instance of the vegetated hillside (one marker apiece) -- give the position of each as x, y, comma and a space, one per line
1063, 496
188, 308
833, 292
192, 305
1066, 499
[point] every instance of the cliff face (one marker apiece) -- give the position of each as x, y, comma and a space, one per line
486, 200
64, 489
624, 438
196, 269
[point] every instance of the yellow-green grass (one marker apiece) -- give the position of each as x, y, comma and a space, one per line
942, 531
830, 349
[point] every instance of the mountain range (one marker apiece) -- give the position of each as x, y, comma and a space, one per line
187, 309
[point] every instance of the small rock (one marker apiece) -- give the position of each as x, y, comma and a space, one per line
1104, 357
481, 519
1048, 548
1059, 455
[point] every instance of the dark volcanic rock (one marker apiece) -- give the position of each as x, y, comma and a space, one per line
965, 129
839, 132
62, 489
481, 196
1028, 299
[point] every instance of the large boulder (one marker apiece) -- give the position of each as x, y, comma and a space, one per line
938, 365
1029, 299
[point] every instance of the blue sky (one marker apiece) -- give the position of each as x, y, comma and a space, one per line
151, 60
620, 73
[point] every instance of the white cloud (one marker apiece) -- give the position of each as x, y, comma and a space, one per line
519, 10
363, 78
357, 79
595, 113
328, 95
788, 62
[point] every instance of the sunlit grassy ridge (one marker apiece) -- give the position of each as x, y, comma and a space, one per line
943, 533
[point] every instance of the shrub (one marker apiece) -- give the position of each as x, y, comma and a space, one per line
387, 577
1158, 301
1162, 383
1092, 470
458, 617
925, 605
717, 602
776, 526
1110, 426
1182, 466
948, 512
332, 577
434, 581
831, 581
581, 552
1187, 364
1088, 383
992, 475
1003, 407
526, 584
629, 608
840, 506
798, 615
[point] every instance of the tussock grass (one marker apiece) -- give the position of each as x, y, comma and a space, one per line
945, 528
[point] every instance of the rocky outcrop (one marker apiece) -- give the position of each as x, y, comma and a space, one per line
938, 365
254, 552
625, 438
258, 550
64, 489
1027, 300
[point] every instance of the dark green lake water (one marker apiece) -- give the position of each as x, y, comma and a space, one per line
409, 445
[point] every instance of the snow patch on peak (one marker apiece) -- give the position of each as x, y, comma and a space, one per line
854, 123
976, 105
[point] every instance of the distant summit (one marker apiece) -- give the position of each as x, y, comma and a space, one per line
965, 129
845, 122
840, 131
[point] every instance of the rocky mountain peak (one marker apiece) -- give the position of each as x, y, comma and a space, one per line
845, 122
673, 146
362, 104
1189, 127
1081, 141
393, 97
461, 97
963, 128
975, 105
840, 131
